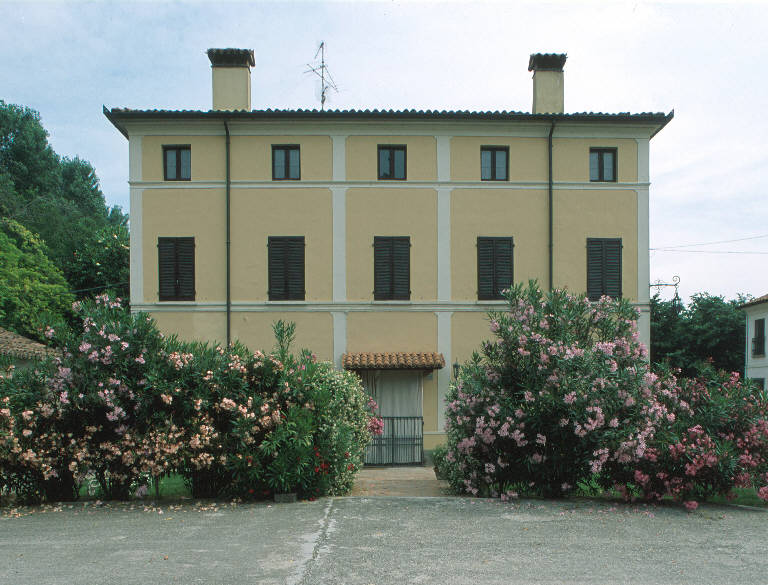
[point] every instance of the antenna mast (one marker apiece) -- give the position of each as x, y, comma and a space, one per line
321, 70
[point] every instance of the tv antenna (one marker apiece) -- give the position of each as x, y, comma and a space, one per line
321, 70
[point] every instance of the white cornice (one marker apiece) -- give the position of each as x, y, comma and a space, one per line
618, 186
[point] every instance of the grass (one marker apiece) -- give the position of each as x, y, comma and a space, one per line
172, 487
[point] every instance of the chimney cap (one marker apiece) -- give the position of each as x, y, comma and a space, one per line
231, 57
547, 61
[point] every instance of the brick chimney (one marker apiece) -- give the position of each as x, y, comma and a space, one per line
231, 78
548, 82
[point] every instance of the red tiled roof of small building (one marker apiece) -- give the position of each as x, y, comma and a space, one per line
397, 360
20, 347
757, 301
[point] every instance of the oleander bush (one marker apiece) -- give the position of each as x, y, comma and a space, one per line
123, 403
563, 398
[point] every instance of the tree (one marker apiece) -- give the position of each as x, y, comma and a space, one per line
59, 199
710, 328
33, 291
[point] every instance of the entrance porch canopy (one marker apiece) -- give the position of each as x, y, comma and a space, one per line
396, 360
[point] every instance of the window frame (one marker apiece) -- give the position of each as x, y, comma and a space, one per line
601, 151
178, 148
392, 148
758, 342
286, 149
177, 296
493, 150
392, 294
497, 296
604, 268
287, 296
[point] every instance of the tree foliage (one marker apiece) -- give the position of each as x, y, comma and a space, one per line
32, 289
709, 328
58, 199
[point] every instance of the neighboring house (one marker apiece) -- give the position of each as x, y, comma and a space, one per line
21, 351
756, 365
385, 235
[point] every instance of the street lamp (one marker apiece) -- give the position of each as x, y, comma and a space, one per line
456, 367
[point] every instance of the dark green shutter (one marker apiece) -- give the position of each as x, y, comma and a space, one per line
603, 267
286, 268
485, 289
401, 269
176, 268
391, 268
502, 252
494, 267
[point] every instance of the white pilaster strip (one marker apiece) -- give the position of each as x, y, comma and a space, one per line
643, 241
339, 157
443, 158
443, 244
135, 217
339, 336
443, 375
339, 202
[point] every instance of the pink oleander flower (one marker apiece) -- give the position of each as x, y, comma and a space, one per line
570, 398
691, 505
49, 332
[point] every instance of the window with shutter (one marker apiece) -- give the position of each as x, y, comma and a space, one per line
286, 268
286, 162
494, 267
603, 268
758, 341
602, 164
392, 162
493, 163
391, 268
177, 163
176, 268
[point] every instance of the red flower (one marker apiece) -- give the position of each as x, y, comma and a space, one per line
350, 467
250, 491
317, 470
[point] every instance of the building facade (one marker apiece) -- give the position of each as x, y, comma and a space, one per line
756, 362
386, 236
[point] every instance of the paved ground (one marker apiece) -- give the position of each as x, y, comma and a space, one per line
384, 540
398, 481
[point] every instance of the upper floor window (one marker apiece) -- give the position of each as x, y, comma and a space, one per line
177, 163
392, 163
176, 268
602, 164
493, 163
286, 163
494, 267
603, 268
758, 341
391, 268
286, 268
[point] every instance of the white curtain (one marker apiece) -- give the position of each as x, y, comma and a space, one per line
398, 393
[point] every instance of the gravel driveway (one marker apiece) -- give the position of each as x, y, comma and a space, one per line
383, 540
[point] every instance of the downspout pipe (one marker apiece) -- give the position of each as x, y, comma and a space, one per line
551, 215
228, 245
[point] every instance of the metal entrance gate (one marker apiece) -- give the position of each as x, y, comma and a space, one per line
401, 443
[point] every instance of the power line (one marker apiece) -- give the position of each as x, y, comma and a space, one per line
709, 243
707, 251
98, 287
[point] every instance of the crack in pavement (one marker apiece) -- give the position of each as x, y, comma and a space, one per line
312, 544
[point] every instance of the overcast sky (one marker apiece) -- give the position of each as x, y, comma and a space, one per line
707, 61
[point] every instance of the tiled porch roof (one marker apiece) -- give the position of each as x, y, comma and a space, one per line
19, 347
395, 360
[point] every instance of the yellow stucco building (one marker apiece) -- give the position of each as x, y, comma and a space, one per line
386, 236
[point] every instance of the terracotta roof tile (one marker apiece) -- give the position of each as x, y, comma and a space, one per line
756, 301
20, 347
396, 360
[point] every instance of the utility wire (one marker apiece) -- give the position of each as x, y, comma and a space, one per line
98, 287
709, 243
707, 251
